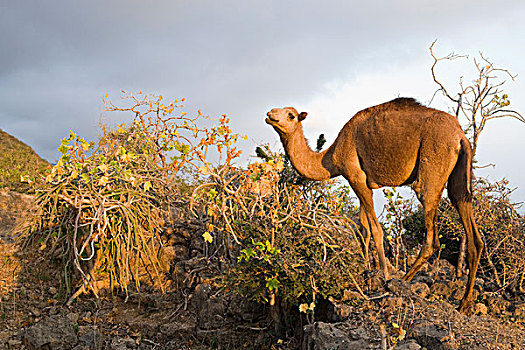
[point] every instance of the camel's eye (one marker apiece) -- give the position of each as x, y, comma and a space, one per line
291, 116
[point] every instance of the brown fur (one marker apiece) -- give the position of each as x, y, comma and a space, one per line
393, 144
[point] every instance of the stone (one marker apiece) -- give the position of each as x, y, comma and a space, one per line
174, 329
433, 336
93, 339
420, 289
122, 344
393, 302
497, 305
399, 287
441, 289
324, 336
480, 309
350, 295
409, 345
519, 310
444, 270
54, 332
168, 255
458, 288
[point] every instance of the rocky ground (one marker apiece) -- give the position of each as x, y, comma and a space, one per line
194, 314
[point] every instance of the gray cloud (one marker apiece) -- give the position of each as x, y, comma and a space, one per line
236, 57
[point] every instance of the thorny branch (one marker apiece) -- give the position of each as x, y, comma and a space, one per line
480, 100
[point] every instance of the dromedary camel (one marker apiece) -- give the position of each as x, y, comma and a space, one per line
393, 144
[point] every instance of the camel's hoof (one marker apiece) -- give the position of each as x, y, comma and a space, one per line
466, 307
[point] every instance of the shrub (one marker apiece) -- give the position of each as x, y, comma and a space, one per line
100, 209
503, 259
278, 238
294, 238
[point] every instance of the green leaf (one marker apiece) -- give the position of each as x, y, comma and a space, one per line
85, 177
272, 284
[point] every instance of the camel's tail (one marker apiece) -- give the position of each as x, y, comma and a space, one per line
460, 180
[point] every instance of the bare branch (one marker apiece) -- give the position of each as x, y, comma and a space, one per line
451, 56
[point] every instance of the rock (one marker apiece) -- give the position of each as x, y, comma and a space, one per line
497, 305
420, 289
433, 336
444, 270
480, 309
441, 289
393, 302
14, 344
73, 316
93, 339
399, 287
519, 310
321, 336
409, 345
54, 332
122, 344
211, 315
174, 329
350, 295
170, 254
341, 311
201, 295
423, 278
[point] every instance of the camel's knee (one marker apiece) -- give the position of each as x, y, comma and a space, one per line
474, 253
480, 245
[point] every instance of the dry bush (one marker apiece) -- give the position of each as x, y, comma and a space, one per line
501, 226
275, 237
286, 240
504, 235
100, 210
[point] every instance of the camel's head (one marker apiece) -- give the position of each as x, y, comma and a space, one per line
285, 120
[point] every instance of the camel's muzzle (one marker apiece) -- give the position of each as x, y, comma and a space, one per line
270, 120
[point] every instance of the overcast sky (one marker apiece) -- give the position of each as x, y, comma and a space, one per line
241, 58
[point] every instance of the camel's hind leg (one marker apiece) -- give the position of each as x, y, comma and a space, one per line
474, 247
459, 192
429, 198
433, 172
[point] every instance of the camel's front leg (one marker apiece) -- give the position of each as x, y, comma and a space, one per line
370, 224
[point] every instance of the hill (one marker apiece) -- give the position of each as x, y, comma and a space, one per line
17, 159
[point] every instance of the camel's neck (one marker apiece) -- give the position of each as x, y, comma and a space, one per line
312, 165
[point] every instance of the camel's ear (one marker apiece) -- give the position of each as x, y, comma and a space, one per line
302, 115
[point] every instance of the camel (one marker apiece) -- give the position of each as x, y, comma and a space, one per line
396, 143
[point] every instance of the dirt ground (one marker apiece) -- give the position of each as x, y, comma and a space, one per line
194, 314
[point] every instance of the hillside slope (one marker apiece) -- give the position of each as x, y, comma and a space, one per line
16, 159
